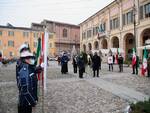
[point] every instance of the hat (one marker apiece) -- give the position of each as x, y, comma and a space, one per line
22, 47
26, 54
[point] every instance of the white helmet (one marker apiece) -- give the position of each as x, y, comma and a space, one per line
23, 46
26, 54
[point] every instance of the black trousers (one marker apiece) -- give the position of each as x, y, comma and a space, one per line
75, 69
81, 73
111, 67
120, 67
135, 68
97, 70
24, 109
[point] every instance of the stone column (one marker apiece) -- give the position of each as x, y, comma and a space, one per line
120, 14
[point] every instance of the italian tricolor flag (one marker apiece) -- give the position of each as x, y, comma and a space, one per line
144, 63
117, 56
39, 53
133, 58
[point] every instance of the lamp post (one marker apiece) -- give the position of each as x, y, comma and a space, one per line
134, 22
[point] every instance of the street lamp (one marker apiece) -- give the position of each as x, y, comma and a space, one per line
134, 22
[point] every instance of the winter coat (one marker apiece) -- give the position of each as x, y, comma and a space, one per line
120, 60
64, 59
96, 62
27, 84
80, 63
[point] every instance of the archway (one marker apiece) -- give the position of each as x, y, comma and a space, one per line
145, 35
115, 42
89, 46
104, 44
96, 45
129, 45
84, 47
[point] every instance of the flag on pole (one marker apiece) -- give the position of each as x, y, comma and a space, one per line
45, 50
38, 55
133, 58
144, 63
117, 56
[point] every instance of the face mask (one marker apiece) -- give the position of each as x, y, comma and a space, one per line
32, 61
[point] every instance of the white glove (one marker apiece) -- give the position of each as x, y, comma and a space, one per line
42, 65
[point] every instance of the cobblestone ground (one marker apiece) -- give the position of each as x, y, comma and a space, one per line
68, 94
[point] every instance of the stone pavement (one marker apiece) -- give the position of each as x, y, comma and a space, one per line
110, 93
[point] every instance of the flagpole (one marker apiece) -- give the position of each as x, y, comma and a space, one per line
45, 58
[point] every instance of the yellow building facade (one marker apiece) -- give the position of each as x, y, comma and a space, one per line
121, 24
11, 38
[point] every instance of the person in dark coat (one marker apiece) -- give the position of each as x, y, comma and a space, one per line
64, 63
81, 65
27, 81
74, 63
148, 66
113, 59
120, 63
96, 64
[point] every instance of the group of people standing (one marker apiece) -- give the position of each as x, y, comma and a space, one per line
79, 62
119, 60
94, 62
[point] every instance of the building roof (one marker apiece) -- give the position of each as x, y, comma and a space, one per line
37, 24
19, 28
98, 12
60, 23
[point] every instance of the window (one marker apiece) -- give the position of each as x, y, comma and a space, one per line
0, 42
10, 33
128, 18
123, 19
114, 23
10, 54
94, 31
11, 43
141, 12
102, 27
89, 33
35, 44
147, 10
35, 35
50, 44
64, 32
26, 43
25, 34
50, 36
1, 33
83, 35
97, 29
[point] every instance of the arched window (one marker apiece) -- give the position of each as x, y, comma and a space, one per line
64, 32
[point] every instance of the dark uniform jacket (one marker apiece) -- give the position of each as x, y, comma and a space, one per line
27, 83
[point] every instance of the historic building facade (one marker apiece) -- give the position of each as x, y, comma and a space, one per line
11, 38
122, 24
62, 36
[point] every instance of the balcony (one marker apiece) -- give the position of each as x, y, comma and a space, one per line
102, 35
66, 41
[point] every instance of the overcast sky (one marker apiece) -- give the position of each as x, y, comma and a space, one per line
23, 12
